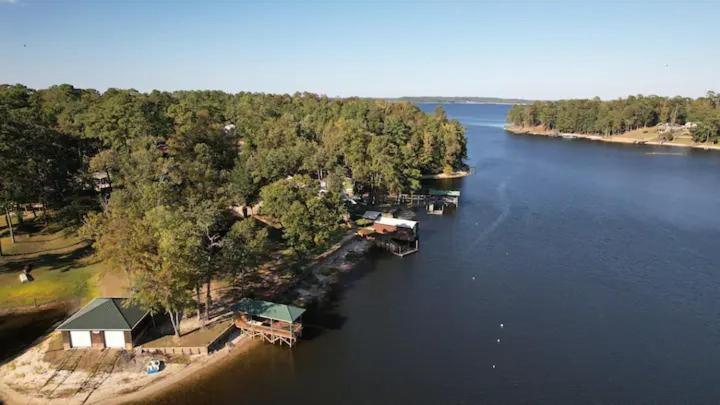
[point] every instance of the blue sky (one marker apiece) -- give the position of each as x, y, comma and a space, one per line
534, 49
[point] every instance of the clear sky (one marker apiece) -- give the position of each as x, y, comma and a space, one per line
532, 49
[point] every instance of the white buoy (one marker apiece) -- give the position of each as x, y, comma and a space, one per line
502, 325
493, 366
498, 340
473, 278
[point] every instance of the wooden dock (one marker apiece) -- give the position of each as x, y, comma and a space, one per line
435, 201
397, 248
273, 323
272, 332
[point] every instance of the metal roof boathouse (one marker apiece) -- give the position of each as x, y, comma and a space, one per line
398, 236
104, 323
274, 323
440, 199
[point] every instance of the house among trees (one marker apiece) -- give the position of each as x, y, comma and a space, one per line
229, 128
371, 215
172, 214
245, 210
102, 182
105, 323
163, 147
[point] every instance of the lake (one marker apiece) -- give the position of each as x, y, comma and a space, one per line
601, 261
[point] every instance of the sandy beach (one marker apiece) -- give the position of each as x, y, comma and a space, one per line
120, 387
193, 371
453, 175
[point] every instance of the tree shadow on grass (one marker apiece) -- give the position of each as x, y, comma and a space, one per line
30, 227
55, 261
78, 244
35, 236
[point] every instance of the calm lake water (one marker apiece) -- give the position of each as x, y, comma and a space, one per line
602, 261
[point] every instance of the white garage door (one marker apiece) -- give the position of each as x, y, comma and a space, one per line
80, 338
115, 338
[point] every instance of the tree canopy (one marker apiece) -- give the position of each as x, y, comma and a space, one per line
617, 116
177, 162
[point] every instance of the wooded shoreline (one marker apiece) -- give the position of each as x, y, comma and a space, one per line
537, 131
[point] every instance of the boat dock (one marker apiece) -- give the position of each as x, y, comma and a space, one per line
397, 236
435, 201
271, 322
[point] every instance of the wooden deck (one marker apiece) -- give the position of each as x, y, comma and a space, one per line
399, 246
199, 341
272, 332
396, 248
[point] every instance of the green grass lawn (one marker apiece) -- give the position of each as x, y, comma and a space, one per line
38, 244
61, 267
51, 284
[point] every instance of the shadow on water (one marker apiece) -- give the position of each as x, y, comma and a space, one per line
320, 319
326, 315
19, 331
251, 373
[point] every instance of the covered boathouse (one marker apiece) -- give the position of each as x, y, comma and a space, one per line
104, 323
440, 199
399, 236
274, 323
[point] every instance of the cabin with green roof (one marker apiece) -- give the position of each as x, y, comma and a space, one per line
104, 323
274, 323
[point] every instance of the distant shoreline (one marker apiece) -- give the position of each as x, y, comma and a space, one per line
536, 131
469, 102
461, 100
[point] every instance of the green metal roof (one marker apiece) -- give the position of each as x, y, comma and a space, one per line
448, 193
105, 314
270, 310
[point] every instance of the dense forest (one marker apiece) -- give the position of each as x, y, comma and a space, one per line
177, 161
617, 116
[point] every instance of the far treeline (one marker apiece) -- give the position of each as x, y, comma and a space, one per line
618, 116
176, 162
462, 100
